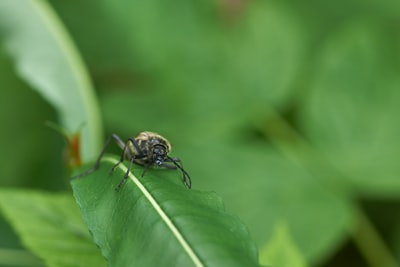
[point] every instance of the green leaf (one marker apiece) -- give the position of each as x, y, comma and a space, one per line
17, 98
257, 176
281, 251
351, 111
199, 56
153, 221
49, 224
18, 257
226, 84
46, 58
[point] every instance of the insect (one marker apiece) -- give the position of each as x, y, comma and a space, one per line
148, 149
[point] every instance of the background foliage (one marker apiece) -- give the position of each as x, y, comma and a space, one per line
287, 109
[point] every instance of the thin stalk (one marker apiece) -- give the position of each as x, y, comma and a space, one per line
370, 244
296, 148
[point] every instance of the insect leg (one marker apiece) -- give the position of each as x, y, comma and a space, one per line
121, 159
135, 144
123, 181
140, 154
131, 155
119, 141
187, 181
97, 163
126, 152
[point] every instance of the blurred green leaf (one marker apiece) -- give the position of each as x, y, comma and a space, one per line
319, 215
18, 257
47, 59
204, 73
25, 131
351, 111
212, 78
216, 73
49, 224
154, 215
280, 251
107, 55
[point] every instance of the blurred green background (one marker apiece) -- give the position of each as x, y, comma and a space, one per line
287, 109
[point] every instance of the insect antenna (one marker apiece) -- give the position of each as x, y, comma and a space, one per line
186, 178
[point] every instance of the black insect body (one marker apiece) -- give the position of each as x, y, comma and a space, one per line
153, 147
148, 149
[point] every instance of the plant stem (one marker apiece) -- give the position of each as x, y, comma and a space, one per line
370, 244
295, 147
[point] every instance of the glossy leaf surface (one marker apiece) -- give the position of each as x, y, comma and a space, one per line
153, 221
